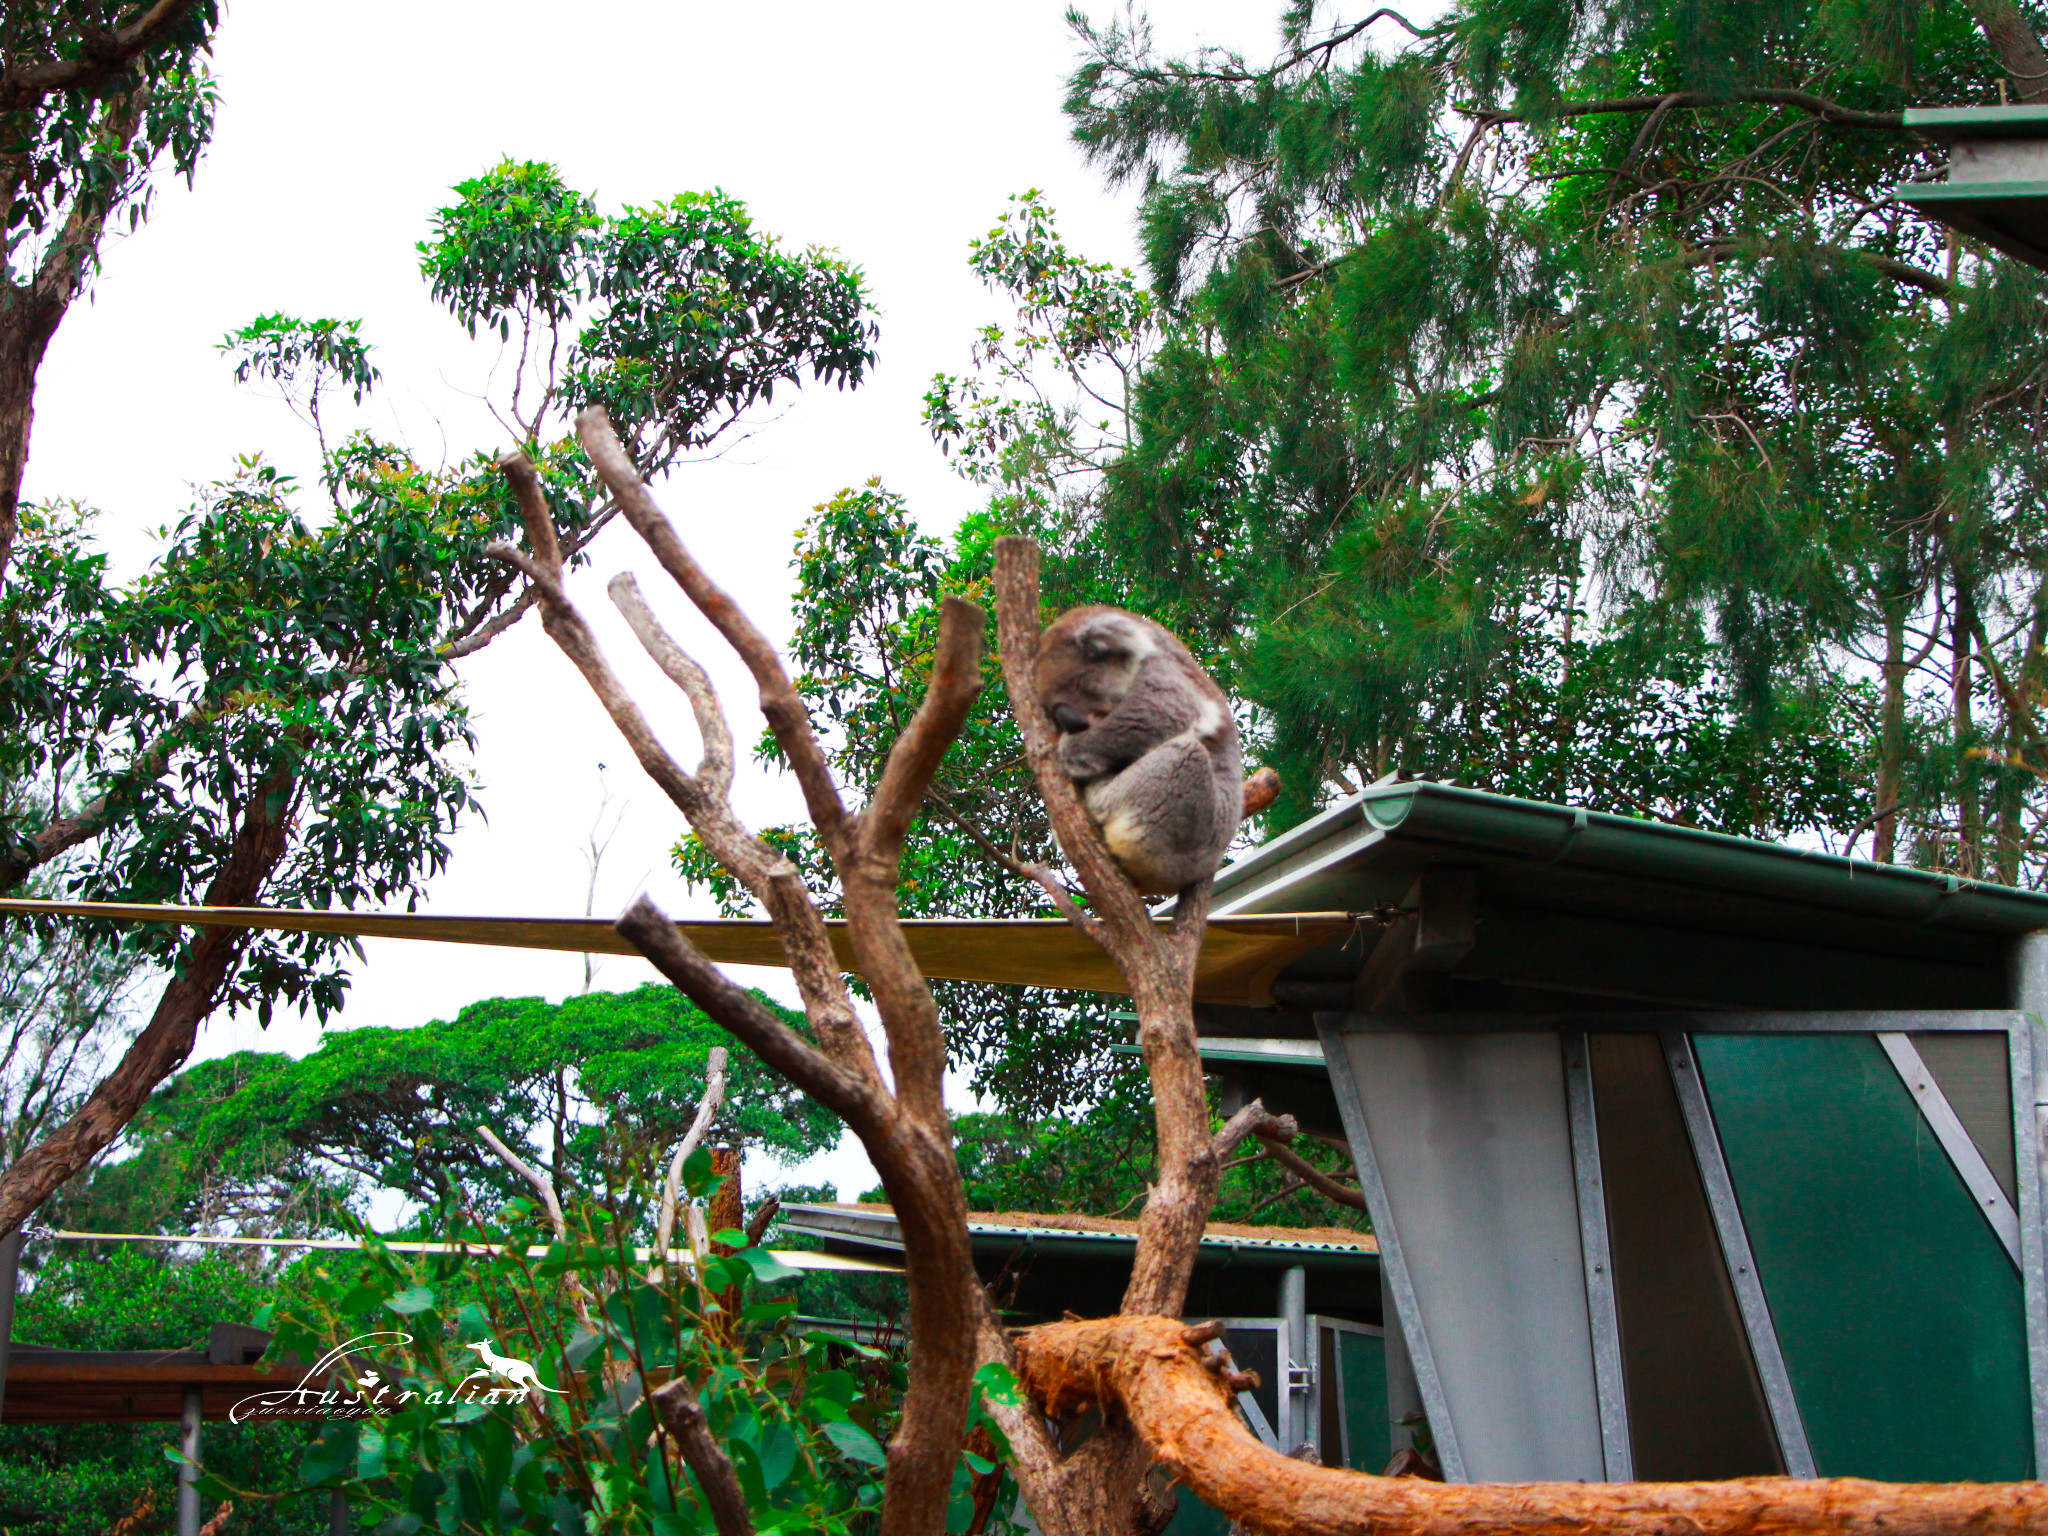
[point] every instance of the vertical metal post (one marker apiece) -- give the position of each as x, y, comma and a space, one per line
188, 1469
1404, 1394
2029, 981
10, 1273
1298, 1419
1748, 1285
1601, 1311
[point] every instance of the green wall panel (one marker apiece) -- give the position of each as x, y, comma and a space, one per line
1191, 1517
1362, 1379
1897, 1310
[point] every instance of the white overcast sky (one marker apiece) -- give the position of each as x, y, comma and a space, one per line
893, 132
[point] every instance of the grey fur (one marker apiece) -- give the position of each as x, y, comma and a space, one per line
1148, 737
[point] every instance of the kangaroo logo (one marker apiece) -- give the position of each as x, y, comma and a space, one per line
515, 1373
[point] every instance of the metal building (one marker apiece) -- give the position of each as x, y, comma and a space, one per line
1689, 1156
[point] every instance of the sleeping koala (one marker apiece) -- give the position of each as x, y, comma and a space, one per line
1148, 739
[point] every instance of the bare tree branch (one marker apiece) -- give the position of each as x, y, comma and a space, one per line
1803, 101
1313, 1176
700, 1127
785, 711
542, 1185
715, 769
1144, 1370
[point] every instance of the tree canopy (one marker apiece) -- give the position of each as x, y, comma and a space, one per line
594, 1090
95, 96
1556, 400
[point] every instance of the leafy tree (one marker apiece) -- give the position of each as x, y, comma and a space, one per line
269, 713
1536, 326
304, 359
589, 1089
1101, 1159
95, 96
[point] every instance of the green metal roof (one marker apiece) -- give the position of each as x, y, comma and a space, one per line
1449, 820
2007, 122
1759, 924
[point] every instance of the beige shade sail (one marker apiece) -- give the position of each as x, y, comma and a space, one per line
1240, 955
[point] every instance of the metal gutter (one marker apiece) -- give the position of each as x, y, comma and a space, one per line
1280, 1053
1477, 823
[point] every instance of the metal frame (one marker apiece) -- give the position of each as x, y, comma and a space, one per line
1316, 1324
1393, 1263
1299, 1398
1955, 1140
1845, 1022
1617, 1450
2029, 1058
1742, 1275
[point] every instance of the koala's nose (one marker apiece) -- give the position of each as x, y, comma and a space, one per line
1068, 718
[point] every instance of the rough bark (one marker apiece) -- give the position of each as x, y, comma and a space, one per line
260, 841
2017, 45
31, 311
1100, 1486
1145, 1372
682, 1416
98, 61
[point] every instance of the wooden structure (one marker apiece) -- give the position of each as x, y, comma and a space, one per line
74, 1386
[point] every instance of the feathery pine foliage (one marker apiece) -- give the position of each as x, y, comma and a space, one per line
1552, 398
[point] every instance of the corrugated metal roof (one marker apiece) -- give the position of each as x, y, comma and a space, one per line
875, 1226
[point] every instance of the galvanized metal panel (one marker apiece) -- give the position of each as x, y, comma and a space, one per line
1764, 1347
1472, 1152
1404, 1319
1897, 1309
1851, 1021
2028, 976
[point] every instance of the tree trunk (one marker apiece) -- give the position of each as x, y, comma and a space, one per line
2018, 46
28, 319
1891, 739
1969, 859
166, 1041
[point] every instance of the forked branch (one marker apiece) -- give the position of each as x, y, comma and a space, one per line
906, 1133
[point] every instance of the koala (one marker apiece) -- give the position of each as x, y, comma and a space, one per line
1148, 739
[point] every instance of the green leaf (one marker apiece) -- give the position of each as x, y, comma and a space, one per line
850, 1440
766, 1268
412, 1301
998, 1383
